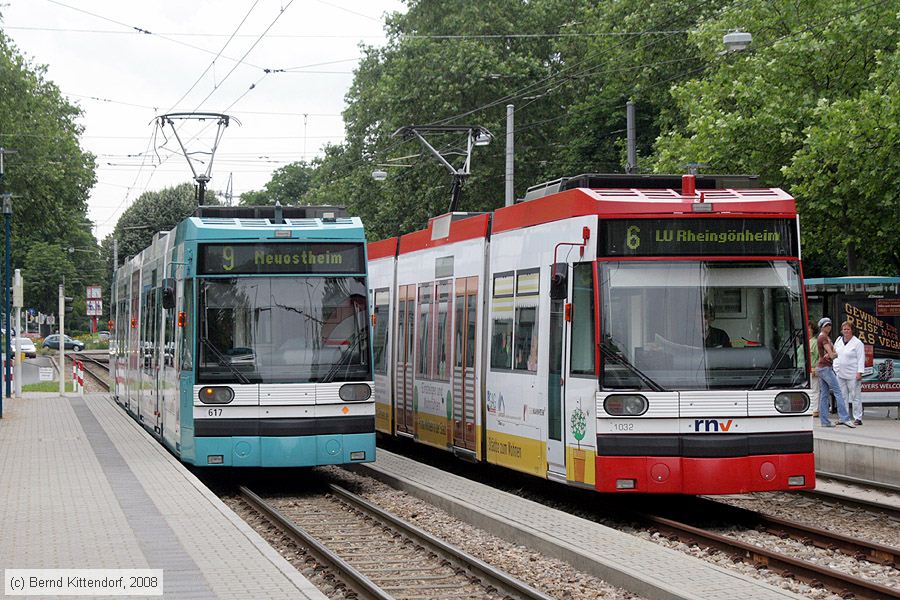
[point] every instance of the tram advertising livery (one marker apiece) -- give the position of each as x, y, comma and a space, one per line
242, 338
632, 334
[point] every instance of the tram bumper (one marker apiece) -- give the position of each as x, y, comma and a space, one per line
705, 464
284, 442
284, 451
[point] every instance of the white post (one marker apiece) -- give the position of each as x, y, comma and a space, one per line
17, 302
17, 376
62, 346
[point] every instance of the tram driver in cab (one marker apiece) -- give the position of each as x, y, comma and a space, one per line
713, 337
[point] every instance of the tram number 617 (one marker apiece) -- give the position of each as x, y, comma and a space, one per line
215, 412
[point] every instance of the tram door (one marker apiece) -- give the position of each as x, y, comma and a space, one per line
406, 304
466, 307
556, 447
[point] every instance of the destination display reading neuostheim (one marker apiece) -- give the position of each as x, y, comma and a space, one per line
698, 237
284, 257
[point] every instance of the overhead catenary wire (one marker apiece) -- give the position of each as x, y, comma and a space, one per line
213, 61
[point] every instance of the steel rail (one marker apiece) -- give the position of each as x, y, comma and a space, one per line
488, 577
808, 534
89, 360
806, 571
864, 503
356, 580
499, 579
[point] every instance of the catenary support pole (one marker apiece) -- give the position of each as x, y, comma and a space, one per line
631, 167
510, 141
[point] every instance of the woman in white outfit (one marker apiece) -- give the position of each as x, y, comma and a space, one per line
849, 367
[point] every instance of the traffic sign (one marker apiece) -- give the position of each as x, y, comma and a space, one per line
94, 292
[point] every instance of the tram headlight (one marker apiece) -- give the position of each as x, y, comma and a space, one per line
625, 405
792, 402
216, 395
355, 392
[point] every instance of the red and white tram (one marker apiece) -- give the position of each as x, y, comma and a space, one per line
610, 332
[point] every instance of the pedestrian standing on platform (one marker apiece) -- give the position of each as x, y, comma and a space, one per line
849, 367
828, 382
813, 361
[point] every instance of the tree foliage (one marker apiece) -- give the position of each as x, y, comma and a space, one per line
151, 213
288, 185
802, 111
49, 178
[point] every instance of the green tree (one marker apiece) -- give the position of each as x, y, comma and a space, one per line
848, 171
151, 213
288, 185
50, 174
811, 65
47, 264
417, 80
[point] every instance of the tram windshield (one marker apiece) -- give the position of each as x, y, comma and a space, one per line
283, 330
685, 325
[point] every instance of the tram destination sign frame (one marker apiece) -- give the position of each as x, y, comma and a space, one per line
288, 258
698, 237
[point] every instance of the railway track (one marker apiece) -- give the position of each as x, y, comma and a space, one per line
380, 556
96, 370
851, 497
810, 572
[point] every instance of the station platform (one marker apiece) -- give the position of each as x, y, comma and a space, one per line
869, 453
82, 486
638, 566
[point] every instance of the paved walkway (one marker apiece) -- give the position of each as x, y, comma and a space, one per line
82, 486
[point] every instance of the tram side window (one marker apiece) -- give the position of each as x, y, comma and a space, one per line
423, 327
502, 326
442, 333
381, 330
583, 341
186, 331
526, 303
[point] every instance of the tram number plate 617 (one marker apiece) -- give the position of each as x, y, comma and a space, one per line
214, 412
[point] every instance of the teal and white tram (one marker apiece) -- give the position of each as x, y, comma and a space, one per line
241, 338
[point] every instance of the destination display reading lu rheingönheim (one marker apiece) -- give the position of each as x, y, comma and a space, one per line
698, 237
283, 257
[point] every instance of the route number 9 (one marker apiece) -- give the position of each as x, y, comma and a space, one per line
227, 258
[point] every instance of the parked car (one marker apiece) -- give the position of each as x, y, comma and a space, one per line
26, 346
52, 341
103, 335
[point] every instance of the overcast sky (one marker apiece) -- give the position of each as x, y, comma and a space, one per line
123, 79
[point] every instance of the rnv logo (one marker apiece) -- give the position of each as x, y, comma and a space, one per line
708, 425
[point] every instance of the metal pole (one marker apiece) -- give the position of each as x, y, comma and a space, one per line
62, 345
510, 138
7, 307
631, 167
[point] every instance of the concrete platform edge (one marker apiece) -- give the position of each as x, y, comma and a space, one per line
633, 581
860, 460
252, 536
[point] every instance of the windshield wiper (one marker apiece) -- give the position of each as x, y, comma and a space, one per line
782, 352
223, 360
616, 356
344, 359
